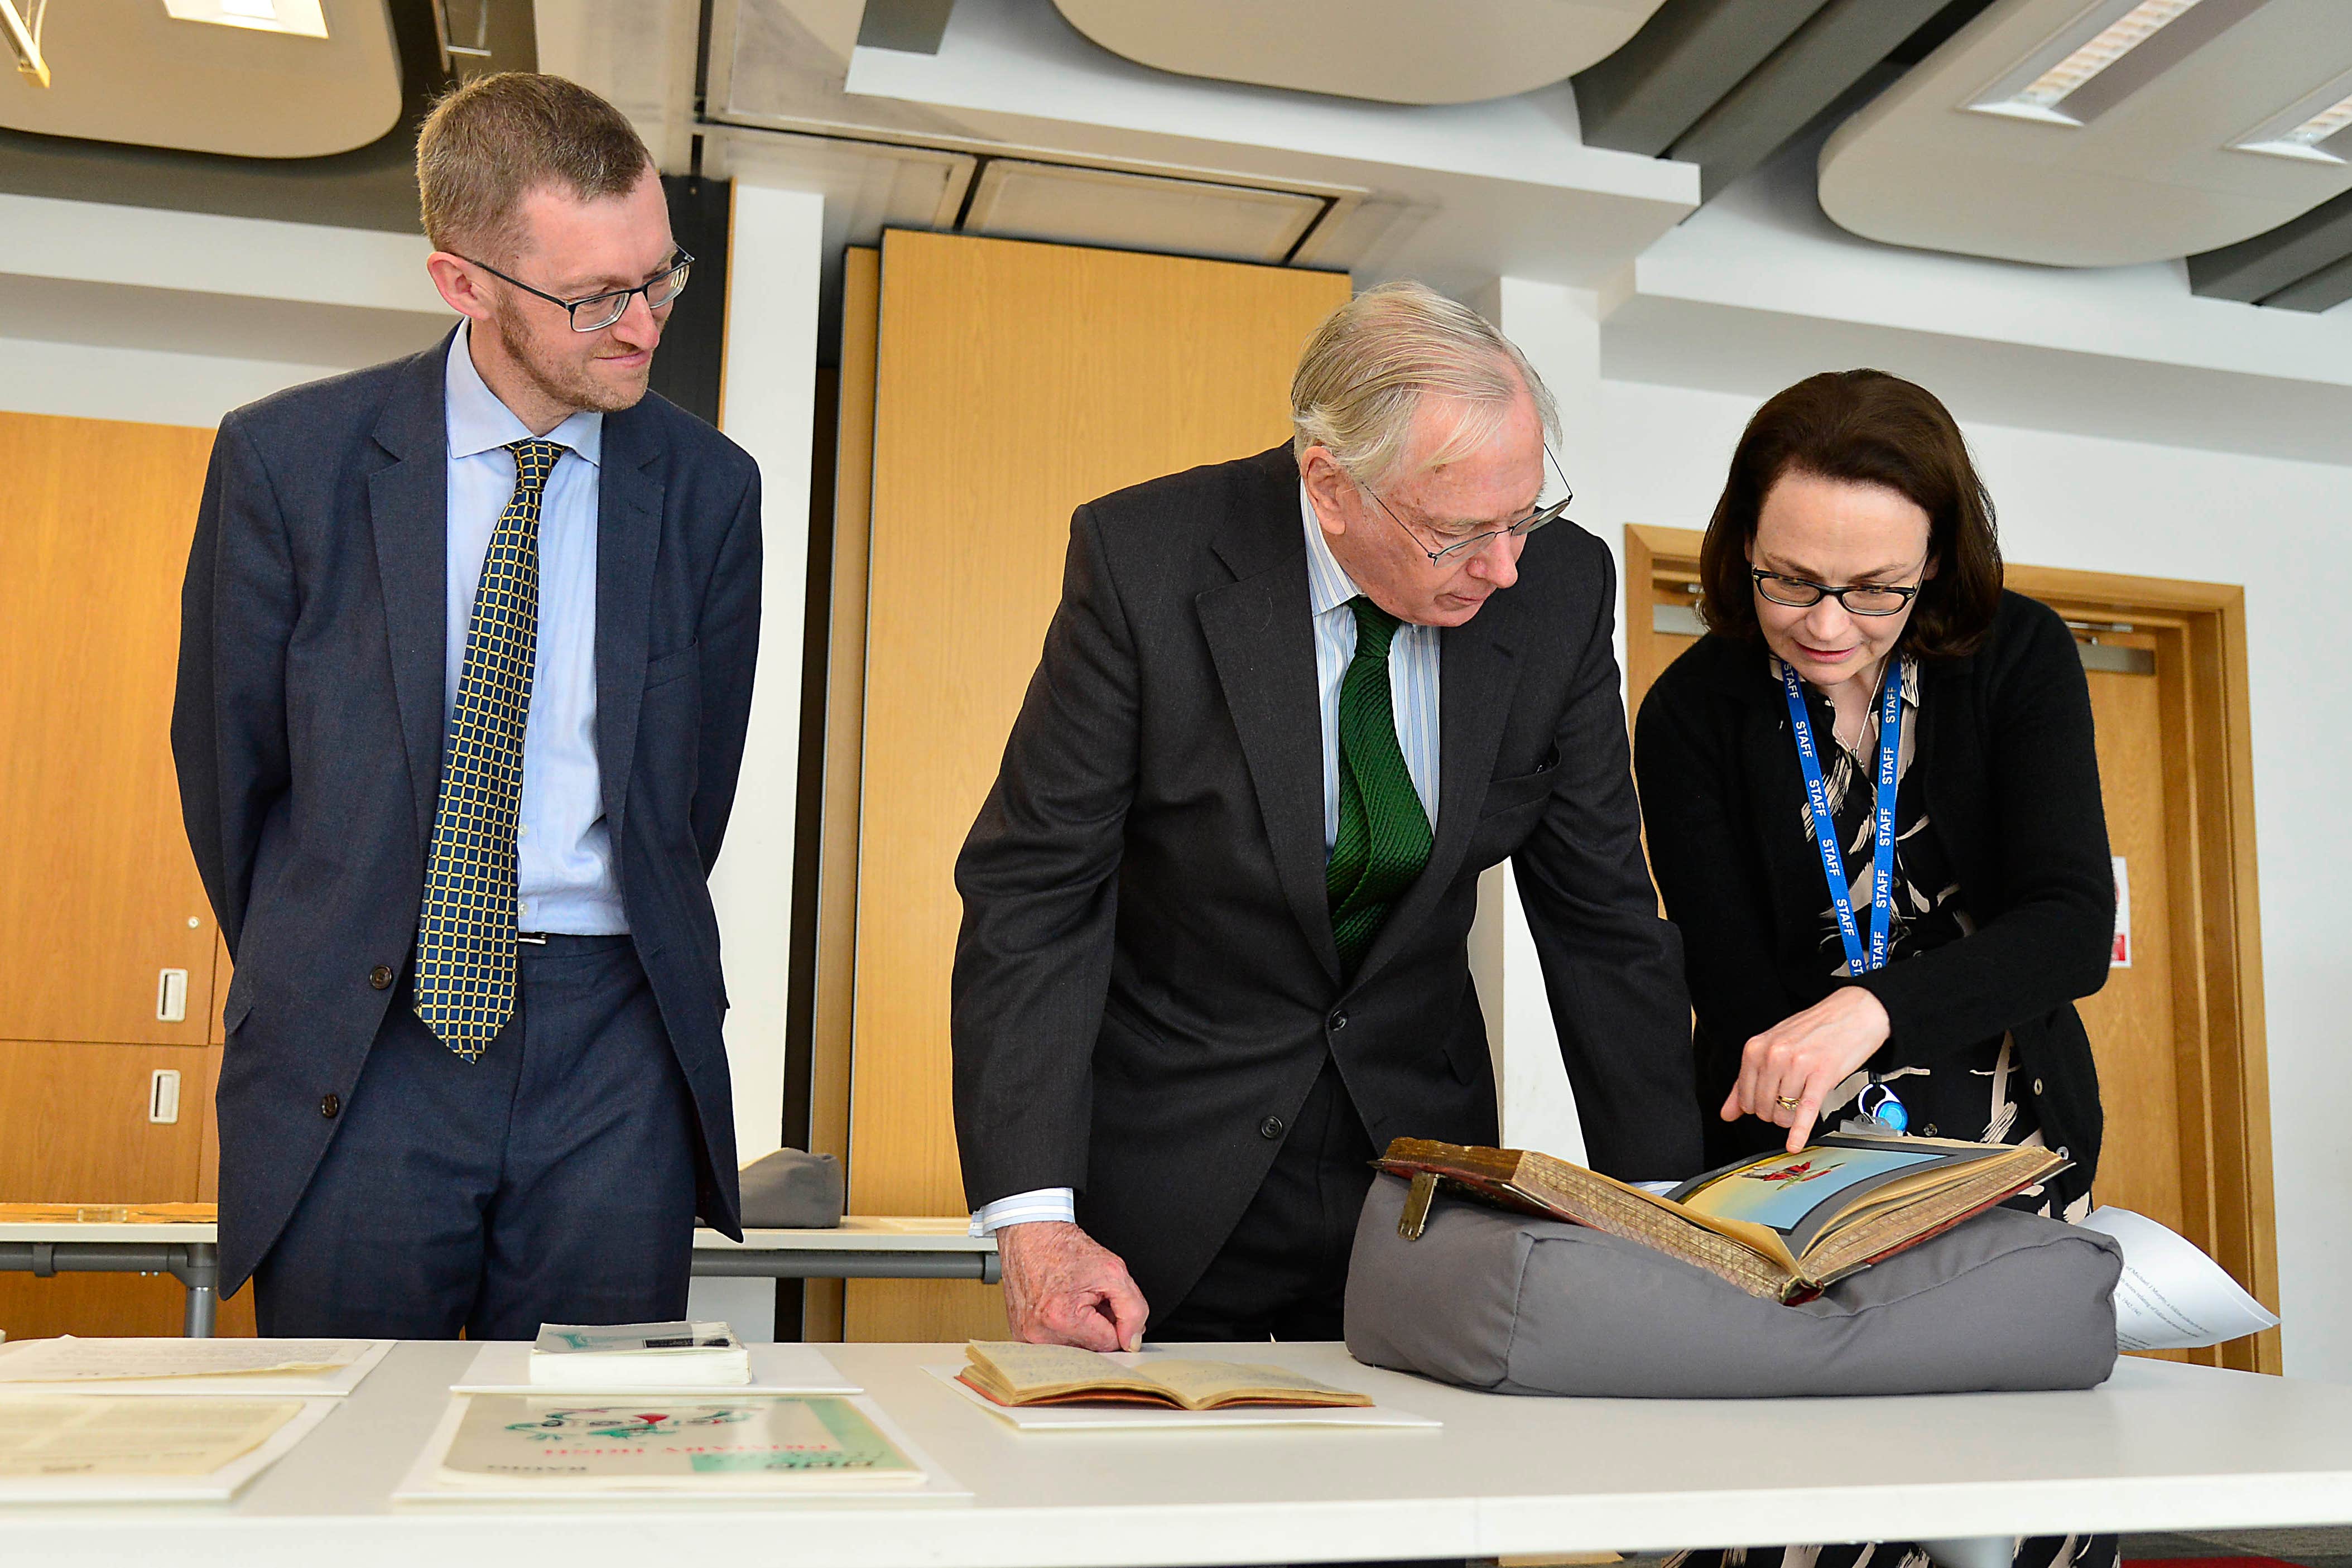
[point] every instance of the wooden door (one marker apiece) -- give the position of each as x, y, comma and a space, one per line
1012, 381
2176, 1032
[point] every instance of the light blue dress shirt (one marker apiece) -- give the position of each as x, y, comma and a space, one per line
1412, 694
563, 852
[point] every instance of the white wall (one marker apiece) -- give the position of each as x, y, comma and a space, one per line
2278, 527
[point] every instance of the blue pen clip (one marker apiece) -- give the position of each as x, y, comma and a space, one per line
1888, 1112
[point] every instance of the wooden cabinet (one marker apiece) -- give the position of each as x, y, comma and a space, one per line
99, 896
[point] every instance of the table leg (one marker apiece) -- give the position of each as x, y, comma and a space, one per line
199, 1270
1971, 1550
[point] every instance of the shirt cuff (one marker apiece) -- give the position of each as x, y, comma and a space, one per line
1022, 1208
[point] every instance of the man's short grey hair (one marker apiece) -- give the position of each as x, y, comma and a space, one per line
1374, 360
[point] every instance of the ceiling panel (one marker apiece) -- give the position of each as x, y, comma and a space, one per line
125, 71
1018, 200
1393, 51
1997, 145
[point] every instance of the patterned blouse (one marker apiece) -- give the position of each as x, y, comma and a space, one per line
1976, 1092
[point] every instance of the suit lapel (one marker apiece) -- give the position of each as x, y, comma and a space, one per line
408, 507
1477, 671
1263, 643
628, 533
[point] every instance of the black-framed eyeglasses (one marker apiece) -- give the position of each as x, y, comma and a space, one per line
1857, 599
1478, 541
597, 311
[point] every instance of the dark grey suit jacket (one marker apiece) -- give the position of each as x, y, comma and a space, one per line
1146, 970
309, 726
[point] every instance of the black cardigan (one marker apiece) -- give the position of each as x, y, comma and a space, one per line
2013, 789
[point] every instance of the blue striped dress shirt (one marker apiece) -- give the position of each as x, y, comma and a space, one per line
563, 859
1413, 692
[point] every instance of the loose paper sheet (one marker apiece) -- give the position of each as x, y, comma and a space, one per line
93, 1436
2171, 1295
70, 1360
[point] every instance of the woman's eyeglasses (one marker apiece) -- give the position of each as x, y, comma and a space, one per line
1858, 599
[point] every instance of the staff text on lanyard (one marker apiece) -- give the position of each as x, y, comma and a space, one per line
1817, 802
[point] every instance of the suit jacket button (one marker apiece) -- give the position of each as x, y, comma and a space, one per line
1270, 1128
1338, 1020
381, 977
330, 1106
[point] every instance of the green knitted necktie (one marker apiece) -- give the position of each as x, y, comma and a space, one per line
1384, 838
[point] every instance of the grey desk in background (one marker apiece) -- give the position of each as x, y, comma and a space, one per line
865, 1246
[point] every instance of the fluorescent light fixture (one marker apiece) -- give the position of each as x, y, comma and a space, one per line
2108, 52
23, 29
2318, 130
302, 19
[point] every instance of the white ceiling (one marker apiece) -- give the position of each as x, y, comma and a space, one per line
2154, 177
1394, 51
121, 70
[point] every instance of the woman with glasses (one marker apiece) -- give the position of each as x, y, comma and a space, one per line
1919, 961
1872, 809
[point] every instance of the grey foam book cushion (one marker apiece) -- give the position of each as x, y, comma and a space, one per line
1513, 1304
792, 1190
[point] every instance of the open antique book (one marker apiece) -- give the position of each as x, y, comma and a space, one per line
1780, 1226
1013, 1374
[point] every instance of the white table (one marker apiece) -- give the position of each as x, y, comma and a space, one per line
2160, 1448
865, 1246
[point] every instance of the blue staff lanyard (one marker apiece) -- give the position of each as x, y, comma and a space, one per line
1817, 803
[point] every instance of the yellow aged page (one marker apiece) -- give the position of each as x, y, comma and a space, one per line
83, 1434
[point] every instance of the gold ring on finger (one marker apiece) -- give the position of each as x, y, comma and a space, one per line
1785, 1101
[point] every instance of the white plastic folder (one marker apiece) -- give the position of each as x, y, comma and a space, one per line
1159, 1418
290, 1369
2171, 1295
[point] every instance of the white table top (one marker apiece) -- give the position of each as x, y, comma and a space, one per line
858, 1233
2160, 1446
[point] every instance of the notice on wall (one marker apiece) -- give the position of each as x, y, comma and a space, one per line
2120, 958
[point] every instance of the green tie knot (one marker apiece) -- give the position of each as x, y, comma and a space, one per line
1374, 628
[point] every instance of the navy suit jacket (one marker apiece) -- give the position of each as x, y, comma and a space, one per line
308, 725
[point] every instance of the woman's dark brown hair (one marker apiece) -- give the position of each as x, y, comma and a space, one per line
1868, 428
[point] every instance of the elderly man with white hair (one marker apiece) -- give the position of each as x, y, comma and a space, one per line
1214, 950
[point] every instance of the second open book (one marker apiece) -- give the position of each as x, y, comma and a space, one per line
1780, 1226
1014, 1374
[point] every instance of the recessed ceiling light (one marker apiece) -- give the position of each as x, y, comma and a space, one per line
2073, 77
2321, 137
303, 18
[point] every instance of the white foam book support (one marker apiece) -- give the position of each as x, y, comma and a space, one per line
503, 1366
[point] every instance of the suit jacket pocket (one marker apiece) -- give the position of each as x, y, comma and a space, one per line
1511, 793
670, 666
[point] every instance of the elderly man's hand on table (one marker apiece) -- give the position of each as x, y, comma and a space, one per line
1061, 1288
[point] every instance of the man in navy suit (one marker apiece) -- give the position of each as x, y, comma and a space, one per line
466, 664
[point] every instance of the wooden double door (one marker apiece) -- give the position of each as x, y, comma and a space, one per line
111, 968
2176, 1030
988, 387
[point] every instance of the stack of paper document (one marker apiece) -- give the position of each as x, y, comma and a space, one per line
639, 1355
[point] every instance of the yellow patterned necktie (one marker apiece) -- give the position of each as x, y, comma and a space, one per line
466, 933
